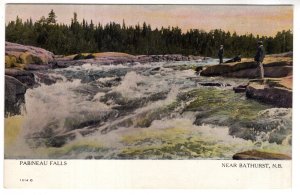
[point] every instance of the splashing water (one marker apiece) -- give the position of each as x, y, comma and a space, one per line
138, 112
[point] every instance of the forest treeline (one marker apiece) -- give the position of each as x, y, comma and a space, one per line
85, 36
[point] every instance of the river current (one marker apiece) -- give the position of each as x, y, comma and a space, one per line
142, 111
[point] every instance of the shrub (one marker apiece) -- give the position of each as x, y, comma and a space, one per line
79, 57
90, 56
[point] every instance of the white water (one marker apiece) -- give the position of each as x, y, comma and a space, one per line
68, 103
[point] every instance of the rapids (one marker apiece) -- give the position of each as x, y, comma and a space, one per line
142, 111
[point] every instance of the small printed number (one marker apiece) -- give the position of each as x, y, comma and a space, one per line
26, 180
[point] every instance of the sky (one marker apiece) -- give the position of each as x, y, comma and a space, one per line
262, 20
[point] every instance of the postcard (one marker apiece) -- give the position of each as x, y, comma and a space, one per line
148, 96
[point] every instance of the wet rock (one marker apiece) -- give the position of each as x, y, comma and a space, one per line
213, 84
81, 124
206, 118
116, 97
37, 67
111, 83
143, 119
155, 69
199, 68
130, 105
63, 63
278, 96
240, 88
89, 119
46, 79
59, 141
25, 77
14, 95
258, 155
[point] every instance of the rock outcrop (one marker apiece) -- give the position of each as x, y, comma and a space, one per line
18, 60
277, 95
17, 55
274, 67
25, 77
273, 91
257, 155
14, 95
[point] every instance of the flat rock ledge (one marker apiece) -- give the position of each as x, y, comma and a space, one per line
277, 96
258, 155
274, 67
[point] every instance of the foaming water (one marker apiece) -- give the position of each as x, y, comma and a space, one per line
129, 86
52, 104
141, 111
175, 138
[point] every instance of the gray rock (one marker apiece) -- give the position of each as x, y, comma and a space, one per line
16, 50
214, 84
240, 88
14, 95
278, 96
25, 77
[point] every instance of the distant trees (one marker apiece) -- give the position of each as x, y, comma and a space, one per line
85, 36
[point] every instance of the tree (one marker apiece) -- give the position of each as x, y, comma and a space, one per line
51, 17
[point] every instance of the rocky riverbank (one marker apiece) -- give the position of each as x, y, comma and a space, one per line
275, 66
276, 89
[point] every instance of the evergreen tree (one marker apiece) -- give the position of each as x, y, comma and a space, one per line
51, 17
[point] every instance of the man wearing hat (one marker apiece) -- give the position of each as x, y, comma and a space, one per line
259, 58
220, 53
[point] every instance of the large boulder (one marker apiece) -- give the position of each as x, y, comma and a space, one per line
14, 95
16, 54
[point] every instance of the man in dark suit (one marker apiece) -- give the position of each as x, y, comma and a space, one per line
259, 58
221, 53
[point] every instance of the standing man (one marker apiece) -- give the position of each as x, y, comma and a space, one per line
259, 58
221, 53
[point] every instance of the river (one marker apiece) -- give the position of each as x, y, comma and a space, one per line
142, 111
